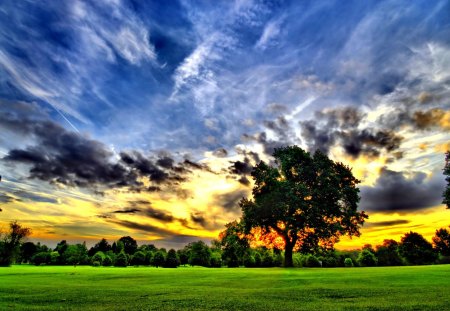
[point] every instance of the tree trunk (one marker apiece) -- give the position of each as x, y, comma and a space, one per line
288, 255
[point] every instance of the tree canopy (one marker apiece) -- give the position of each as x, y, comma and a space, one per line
309, 200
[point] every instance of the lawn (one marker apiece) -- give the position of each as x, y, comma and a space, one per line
89, 288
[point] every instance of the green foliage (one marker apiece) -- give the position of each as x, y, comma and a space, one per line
234, 244
446, 193
348, 262
258, 259
27, 250
96, 264
121, 260
183, 255
441, 241
98, 257
367, 259
10, 242
40, 258
249, 261
172, 260
107, 261
388, 254
55, 258
216, 259
138, 258
75, 254
303, 194
129, 244
312, 262
267, 260
199, 254
158, 259
417, 250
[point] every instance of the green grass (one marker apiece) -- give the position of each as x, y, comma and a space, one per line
89, 288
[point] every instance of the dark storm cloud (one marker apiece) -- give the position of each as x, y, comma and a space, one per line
342, 126
388, 223
70, 158
143, 227
28, 196
144, 208
199, 218
229, 201
127, 211
393, 192
62, 156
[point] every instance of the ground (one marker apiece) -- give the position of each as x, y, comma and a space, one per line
98, 288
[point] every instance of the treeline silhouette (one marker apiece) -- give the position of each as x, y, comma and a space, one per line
412, 249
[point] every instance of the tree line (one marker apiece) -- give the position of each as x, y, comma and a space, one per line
230, 250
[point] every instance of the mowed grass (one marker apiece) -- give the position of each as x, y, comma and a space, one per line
89, 288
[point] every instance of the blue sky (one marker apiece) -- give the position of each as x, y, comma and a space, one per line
189, 79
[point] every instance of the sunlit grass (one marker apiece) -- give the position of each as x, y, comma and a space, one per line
89, 288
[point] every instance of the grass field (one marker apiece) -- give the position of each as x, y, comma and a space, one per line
89, 288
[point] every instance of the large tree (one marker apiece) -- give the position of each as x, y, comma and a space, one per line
309, 200
10, 242
446, 193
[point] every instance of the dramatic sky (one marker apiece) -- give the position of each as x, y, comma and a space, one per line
144, 118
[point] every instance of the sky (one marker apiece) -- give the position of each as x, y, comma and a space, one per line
144, 118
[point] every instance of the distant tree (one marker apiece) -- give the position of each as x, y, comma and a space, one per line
216, 259
101, 246
199, 254
121, 260
41, 258
98, 257
107, 261
158, 259
388, 254
417, 250
249, 260
367, 259
441, 241
27, 250
446, 193
183, 255
10, 242
234, 244
55, 258
138, 258
172, 260
348, 262
129, 244
148, 258
75, 255
303, 198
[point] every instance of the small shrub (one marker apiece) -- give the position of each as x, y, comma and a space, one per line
348, 262
367, 259
107, 261
258, 260
96, 263
312, 262
98, 257
267, 260
121, 260
249, 261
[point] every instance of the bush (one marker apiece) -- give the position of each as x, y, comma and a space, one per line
172, 260
98, 257
367, 259
96, 264
138, 258
278, 260
328, 262
40, 258
297, 260
107, 261
267, 260
348, 262
249, 261
258, 260
121, 260
216, 260
312, 262
158, 259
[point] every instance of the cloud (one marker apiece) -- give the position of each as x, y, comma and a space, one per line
345, 127
387, 223
229, 201
394, 192
147, 228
